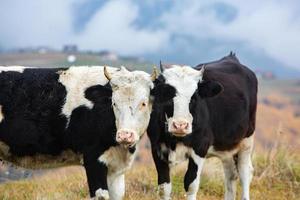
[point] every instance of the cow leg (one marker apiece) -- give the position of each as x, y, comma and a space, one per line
245, 167
97, 178
192, 176
163, 173
231, 176
116, 186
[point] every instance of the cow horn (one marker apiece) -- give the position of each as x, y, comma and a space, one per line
202, 71
161, 67
106, 73
154, 73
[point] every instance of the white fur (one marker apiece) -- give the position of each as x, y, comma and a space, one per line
102, 194
179, 155
118, 159
245, 167
1, 114
185, 79
231, 176
130, 91
221, 154
116, 185
19, 69
194, 186
76, 80
164, 191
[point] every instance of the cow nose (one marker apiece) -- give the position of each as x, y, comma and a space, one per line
180, 125
125, 136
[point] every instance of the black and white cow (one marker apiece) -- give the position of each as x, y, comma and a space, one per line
198, 113
99, 112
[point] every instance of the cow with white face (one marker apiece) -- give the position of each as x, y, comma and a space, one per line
97, 112
131, 104
132, 107
185, 80
201, 112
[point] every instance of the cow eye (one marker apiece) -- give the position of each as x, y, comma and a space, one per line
143, 104
114, 104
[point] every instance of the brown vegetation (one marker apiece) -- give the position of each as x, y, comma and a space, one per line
276, 177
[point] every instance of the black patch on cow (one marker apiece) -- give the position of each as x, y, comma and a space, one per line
99, 93
209, 88
96, 172
162, 91
191, 174
31, 103
132, 149
162, 166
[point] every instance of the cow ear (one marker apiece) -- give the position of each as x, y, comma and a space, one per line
98, 92
209, 88
163, 92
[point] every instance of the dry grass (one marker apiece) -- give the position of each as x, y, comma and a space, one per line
277, 176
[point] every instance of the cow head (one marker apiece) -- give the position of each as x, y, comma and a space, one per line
131, 103
179, 90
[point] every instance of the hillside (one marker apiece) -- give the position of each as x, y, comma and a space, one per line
276, 156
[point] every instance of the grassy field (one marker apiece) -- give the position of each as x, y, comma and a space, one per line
276, 177
276, 158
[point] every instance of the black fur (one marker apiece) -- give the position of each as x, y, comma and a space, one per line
190, 174
222, 120
162, 91
33, 123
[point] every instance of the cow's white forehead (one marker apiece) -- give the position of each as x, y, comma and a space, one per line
184, 79
176, 71
126, 79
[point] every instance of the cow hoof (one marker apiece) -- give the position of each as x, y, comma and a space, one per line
102, 194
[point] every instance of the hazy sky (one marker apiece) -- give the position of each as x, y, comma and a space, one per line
263, 33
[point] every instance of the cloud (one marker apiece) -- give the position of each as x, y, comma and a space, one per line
269, 26
112, 28
184, 30
35, 23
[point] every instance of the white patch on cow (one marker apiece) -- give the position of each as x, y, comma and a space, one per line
116, 186
245, 144
194, 186
131, 101
102, 194
231, 176
1, 114
185, 79
245, 167
180, 154
164, 191
212, 152
76, 80
117, 159
19, 69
